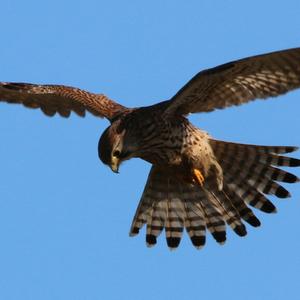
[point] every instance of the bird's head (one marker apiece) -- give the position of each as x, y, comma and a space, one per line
115, 146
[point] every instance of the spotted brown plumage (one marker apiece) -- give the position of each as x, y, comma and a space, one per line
196, 183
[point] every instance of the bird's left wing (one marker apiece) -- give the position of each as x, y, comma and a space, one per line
52, 99
238, 82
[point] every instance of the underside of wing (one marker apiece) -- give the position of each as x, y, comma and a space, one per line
238, 82
52, 99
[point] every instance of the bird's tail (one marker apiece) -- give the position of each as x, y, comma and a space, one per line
249, 172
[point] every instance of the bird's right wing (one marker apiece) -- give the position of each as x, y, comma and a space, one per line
52, 99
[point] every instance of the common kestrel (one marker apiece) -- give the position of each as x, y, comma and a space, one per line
196, 182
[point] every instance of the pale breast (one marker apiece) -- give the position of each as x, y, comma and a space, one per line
197, 148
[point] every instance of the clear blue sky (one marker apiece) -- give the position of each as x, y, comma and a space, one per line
65, 218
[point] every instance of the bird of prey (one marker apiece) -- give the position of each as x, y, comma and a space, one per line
196, 182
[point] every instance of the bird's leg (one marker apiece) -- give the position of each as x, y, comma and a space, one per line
197, 176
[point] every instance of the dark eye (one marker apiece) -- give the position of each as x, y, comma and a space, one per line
116, 153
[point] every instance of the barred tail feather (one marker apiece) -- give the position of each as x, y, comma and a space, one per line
249, 172
229, 212
213, 216
195, 223
156, 222
173, 205
239, 204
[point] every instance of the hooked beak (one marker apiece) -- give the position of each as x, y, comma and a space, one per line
115, 165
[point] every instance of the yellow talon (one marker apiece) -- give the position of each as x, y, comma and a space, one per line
198, 177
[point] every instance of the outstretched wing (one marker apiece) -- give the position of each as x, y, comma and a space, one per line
238, 82
52, 99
